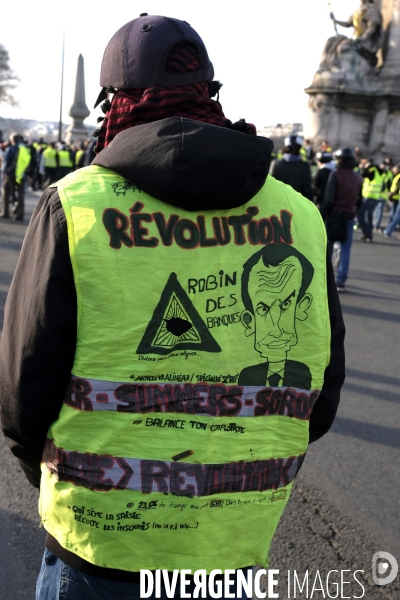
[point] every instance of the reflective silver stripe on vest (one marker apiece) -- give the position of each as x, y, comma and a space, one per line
205, 399
104, 472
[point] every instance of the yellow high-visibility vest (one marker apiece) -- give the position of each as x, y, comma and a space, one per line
78, 156
64, 159
373, 189
394, 187
50, 155
23, 161
387, 182
202, 342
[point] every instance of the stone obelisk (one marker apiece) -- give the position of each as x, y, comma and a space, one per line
78, 111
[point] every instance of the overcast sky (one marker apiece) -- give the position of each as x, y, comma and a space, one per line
265, 52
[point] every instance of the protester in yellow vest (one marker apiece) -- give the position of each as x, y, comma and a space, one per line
40, 144
79, 156
16, 161
49, 162
394, 195
185, 334
386, 167
65, 160
373, 187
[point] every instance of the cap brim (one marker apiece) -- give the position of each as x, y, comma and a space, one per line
102, 96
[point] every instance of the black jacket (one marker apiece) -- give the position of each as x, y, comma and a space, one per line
295, 173
320, 181
343, 192
183, 162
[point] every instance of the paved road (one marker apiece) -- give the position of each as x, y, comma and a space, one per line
345, 504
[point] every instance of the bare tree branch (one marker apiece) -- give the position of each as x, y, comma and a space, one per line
8, 79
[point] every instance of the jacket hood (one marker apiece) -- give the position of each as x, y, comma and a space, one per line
190, 164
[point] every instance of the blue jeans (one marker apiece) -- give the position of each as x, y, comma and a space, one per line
378, 212
393, 209
365, 215
345, 250
394, 222
57, 581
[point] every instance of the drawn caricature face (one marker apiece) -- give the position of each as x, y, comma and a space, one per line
274, 291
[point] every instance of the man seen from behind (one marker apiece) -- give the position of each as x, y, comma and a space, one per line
120, 395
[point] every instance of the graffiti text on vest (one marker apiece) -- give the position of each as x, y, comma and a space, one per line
205, 399
138, 229
103, 473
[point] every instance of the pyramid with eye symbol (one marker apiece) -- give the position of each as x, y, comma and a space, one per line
176, 324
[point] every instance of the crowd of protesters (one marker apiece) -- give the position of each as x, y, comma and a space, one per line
380, 189
350, 190
24, 163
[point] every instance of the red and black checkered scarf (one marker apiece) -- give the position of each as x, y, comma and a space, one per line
138, 106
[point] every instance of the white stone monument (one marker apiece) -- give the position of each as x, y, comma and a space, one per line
355, 95
76, 131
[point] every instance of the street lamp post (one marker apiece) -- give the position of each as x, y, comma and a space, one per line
61, 95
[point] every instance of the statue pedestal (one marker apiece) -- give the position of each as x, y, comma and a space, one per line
369, 122
76, 132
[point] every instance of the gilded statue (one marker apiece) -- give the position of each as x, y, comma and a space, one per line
367, 38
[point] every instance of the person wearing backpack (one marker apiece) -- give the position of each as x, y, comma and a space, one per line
341, 202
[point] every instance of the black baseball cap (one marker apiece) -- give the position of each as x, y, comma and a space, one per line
293, 140
136, 55
344, 154
324, 157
